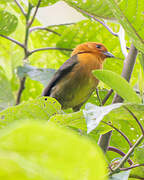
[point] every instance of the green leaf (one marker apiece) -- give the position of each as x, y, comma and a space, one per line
78, 33
43, 2
119, 84
130, 16
42, 75
40, 108
8, 23
77, 122
39, 151
73, 120
94, 7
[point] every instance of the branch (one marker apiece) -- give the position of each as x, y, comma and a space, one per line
13, 40
110, 148
20, 7
22, 87
131, 167
126, 138
128, 154
48, 48
141, 127
101, 22
129, 63
43, 28
22, 81
34, 15
107, 96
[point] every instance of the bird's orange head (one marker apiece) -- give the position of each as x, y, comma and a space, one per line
97, 49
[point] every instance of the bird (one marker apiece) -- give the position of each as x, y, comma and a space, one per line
73, 83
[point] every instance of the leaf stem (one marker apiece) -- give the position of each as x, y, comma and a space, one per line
107, 96
131, 167
125, 137
43, 28
20, 7
34, 15
133, 115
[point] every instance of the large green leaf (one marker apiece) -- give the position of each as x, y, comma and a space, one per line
40, 108
93, 7
86, 31
119, 84
8, 23
77, 122
131, 17
43, 2
41, 151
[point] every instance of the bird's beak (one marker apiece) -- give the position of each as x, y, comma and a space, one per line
108, 54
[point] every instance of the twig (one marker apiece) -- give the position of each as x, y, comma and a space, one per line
13, 40
133, 115
20, 7
110, 148
101, 22
107, 96
99, 99
131, 167
48, 48
129, 63
125, 137
128, 154
43, 28
35, 12
22, 87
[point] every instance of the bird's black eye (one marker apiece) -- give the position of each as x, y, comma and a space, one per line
98, 46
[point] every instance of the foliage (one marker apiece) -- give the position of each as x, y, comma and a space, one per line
40, 141
32, 150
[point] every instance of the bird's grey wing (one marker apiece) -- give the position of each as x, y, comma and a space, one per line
60, 73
